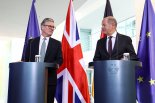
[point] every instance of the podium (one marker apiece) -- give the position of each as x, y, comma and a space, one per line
28, 82
114, 81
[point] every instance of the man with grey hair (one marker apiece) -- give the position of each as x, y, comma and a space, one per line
50, 51
114, 45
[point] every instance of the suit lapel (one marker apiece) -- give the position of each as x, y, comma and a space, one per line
104, 43
116, 45
49, 47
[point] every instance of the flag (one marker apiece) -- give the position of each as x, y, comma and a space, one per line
145, 76
32, 28
107, 12
72, 85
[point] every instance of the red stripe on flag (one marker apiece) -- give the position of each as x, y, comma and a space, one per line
68, 19
70, 93
102, 35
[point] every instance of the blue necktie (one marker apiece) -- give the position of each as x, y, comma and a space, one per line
42, 51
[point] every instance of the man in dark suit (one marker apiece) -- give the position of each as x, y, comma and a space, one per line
52, 53
114, 44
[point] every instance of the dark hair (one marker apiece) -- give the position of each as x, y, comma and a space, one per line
47, 20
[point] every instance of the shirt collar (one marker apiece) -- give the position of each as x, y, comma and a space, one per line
113, 35
41, 38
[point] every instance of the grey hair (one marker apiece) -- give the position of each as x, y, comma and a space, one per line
47, 20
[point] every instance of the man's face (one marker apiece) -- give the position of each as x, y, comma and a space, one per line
106, 27
47, 29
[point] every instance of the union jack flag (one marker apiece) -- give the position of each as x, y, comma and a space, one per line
72, 85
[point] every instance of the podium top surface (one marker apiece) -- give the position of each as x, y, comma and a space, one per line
137, 63
53, 65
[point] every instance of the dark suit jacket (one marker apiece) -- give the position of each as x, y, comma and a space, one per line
53, 52
123, 44
53, 55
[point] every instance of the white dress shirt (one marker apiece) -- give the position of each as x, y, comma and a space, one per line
113, 40
41, 41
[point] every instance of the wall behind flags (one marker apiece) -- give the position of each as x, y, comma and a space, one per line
139, 6
10, 51
11, 45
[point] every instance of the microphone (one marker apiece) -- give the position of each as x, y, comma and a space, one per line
30, 41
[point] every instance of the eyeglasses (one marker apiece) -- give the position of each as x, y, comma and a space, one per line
49, 26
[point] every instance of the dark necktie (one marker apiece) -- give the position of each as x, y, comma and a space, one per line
110, 45
42, 51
